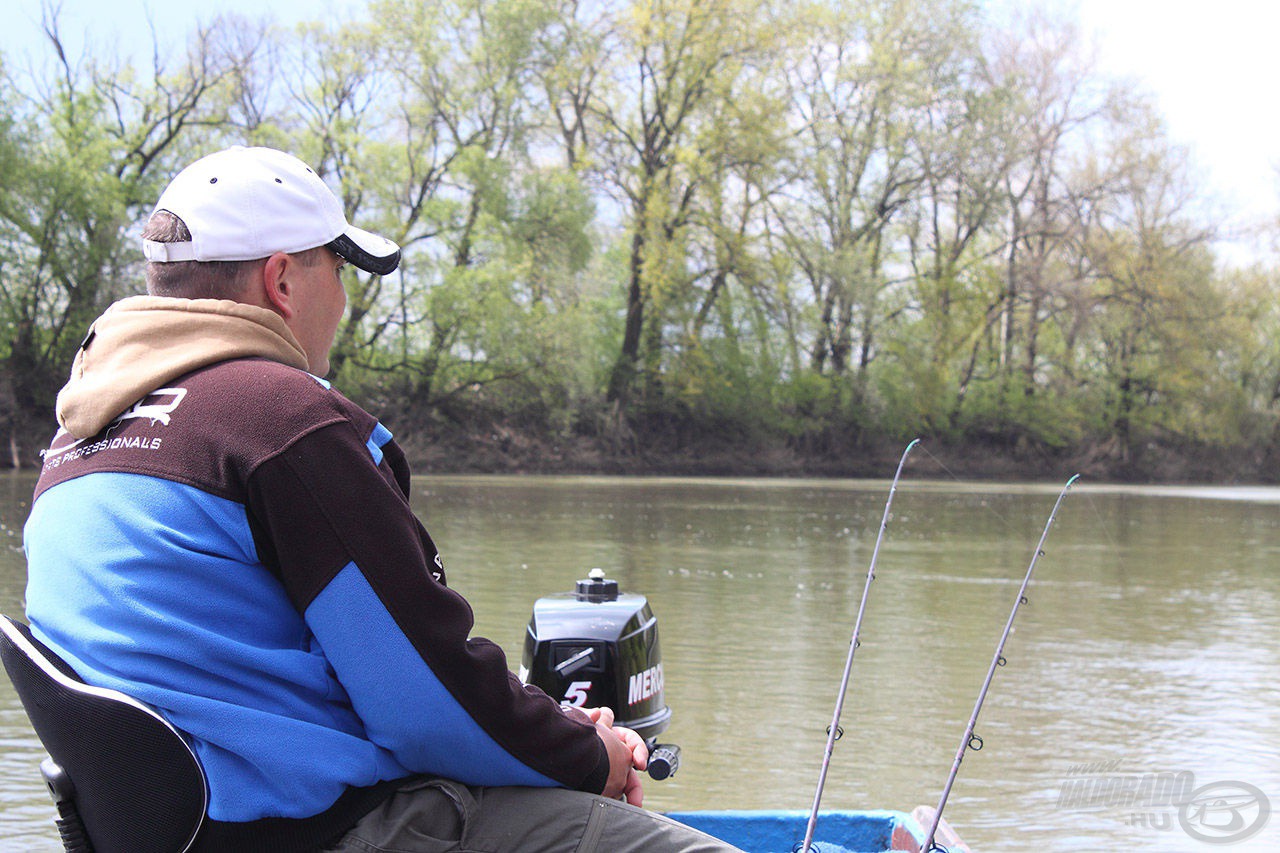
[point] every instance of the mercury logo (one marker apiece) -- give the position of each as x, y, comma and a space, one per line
645, 685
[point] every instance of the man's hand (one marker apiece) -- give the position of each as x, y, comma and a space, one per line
627, 754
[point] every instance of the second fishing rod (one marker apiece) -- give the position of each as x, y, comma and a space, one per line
969, 740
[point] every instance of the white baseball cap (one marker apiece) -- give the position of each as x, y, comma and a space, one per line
242, 204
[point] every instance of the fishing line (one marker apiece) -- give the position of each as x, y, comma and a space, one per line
834, 732
986, 505
1089, 496
1104, 524
970, 740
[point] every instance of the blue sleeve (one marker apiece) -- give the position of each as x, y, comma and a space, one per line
403, 704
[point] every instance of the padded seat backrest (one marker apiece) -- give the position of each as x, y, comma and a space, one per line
138, 787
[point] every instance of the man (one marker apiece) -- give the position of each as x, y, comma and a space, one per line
219, 534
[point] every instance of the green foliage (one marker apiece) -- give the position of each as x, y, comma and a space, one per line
815, 226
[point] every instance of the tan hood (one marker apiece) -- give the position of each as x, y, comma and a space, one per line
143, 342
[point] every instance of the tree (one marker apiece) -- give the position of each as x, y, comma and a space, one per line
1157, 310
492, 237
85, 151
676, 63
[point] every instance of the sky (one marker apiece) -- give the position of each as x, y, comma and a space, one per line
1210, 66
1213, 68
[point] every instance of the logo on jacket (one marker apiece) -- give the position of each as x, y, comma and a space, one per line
156, 412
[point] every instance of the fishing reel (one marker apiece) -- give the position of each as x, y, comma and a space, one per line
598, 647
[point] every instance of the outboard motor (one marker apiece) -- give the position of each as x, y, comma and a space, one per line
596, 647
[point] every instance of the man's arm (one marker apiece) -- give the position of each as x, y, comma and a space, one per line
330, 514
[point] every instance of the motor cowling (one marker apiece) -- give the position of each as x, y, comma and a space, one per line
598, 647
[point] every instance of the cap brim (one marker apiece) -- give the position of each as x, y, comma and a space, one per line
370, 252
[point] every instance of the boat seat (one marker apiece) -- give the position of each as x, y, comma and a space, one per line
123, 779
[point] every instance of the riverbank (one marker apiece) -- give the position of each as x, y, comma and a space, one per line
503, 449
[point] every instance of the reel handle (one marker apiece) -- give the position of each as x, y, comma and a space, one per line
664, 760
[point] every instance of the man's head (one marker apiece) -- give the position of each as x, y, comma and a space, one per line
248, 224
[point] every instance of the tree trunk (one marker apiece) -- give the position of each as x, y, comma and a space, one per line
622, 380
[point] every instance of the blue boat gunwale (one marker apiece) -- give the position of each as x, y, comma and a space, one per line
856, 831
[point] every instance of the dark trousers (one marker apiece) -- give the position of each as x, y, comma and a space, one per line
438, 815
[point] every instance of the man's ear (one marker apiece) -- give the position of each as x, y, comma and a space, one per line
277, 287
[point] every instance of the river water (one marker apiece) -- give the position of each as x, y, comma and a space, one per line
1149, 649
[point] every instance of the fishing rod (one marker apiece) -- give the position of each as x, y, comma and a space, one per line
834, 732
971, 740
